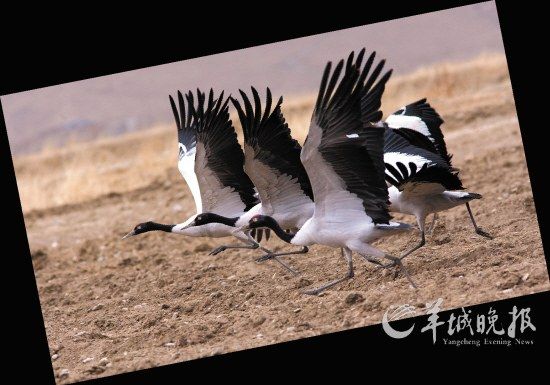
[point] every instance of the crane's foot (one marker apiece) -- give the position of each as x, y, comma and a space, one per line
483, 233
218, 250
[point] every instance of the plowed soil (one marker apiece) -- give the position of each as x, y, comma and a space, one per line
113, 306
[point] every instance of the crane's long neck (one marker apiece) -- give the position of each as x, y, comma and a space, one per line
287, 237
161, 227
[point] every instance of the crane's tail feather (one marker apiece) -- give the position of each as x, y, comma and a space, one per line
394, 227
464, 196
474, 196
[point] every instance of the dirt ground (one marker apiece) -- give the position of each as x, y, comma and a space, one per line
114, 306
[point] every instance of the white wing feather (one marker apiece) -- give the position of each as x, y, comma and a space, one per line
394, 157
411, 122
186, 166
279, 193
215, 197
333, 203
413, 188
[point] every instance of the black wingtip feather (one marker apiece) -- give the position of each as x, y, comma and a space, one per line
321, 93
338, 112
175, 112
268, 135
185, 128
213, 128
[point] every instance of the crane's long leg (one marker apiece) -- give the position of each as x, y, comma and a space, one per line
368, 252
348, 255
250, 243
396, 261
269, 252
221, 248
372, 260
479, 230
287, 267
421, 225
266, 257
246, 238
432, 225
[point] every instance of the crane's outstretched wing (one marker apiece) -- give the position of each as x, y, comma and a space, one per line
218, 163
187, 143
420, 116
371, 99
343, 152
413, 167
272, 156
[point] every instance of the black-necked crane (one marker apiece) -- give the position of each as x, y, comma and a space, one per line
418, 167
343, 158
272, 161
211, 162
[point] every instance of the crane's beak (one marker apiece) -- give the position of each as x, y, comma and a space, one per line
130, 234
245, 228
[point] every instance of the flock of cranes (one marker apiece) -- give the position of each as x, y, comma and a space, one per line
337, 190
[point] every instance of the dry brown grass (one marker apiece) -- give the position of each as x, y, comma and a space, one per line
83, 171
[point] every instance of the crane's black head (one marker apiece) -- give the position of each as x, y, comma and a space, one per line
258, 221
204, 219
140, 229
148, 226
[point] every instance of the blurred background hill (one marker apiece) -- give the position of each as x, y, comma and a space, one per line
135, 100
